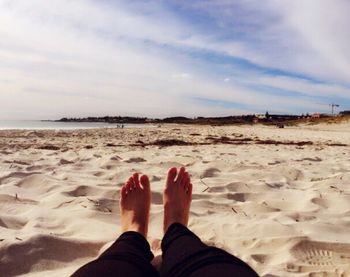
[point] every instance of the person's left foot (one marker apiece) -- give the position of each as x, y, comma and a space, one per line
135, 204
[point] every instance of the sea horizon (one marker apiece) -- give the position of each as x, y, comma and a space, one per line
59, 125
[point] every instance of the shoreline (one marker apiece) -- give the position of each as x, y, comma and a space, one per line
129, 122
39, 125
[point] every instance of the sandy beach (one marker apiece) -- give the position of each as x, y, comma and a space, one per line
277, 198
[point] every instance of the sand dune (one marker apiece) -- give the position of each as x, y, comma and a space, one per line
277, 198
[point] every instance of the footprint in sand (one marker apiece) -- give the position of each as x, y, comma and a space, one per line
20, 175
210, 172
105, 205
231, 187
320, 202
316, 256
261, 258
64, 162
136, 160
14, 205
43, 251
13, 223
84, 191
239, 197
292, 174
217, 189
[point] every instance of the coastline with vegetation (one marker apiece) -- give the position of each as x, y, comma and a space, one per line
268, 119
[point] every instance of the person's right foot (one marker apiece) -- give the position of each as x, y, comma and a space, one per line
135, 204
177, 197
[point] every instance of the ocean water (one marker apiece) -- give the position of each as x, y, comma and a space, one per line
51, 125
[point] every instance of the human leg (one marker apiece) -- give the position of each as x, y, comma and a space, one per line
130, 255
183, 252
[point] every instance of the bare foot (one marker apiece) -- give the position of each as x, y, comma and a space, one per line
135, 204
177, 197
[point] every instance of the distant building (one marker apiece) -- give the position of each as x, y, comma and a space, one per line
315, 115
345, 113
260, 116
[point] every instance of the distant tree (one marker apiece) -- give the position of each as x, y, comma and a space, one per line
267, 115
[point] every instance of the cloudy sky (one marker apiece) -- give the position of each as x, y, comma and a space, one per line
164, 58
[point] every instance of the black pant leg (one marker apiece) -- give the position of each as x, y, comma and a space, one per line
185, 255
129, 256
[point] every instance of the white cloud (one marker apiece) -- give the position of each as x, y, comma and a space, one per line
322, 29
306, 87
76, 58
181, 76
310, 37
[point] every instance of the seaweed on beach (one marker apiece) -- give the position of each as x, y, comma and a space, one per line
138, 143
169, 142
112, 145
337, 144
276, 142
49, 147
227, 140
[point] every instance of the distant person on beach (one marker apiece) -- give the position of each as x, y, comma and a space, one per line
183, 252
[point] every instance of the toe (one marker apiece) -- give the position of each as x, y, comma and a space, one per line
171, 175
145, 182
136, 180
129, 186
185, 179
123, 192
180, 175
132, 182
189, 189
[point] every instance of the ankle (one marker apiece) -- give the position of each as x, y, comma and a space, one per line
136, 228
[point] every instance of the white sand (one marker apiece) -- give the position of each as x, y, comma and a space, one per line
284, 209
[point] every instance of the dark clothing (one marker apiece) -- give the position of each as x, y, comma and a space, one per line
183, 255
129, 256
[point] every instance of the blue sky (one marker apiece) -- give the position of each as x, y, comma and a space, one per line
165, 58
